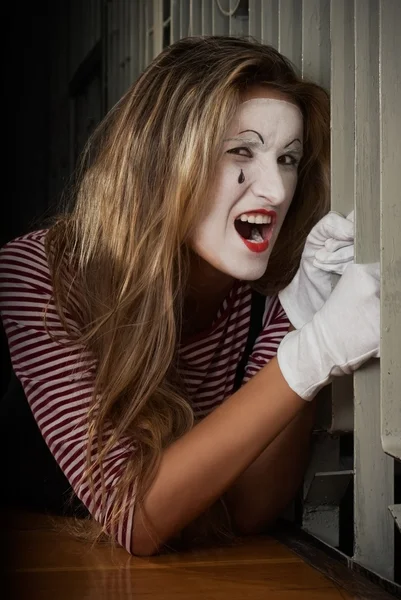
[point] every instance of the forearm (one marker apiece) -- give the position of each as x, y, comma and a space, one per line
267, 486
199, 467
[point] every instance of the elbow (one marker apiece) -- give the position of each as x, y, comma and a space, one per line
145, 546
245, 528
148, 539
145, 542
252, 523
143, 550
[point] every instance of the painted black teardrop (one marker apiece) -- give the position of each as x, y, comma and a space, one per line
241, 177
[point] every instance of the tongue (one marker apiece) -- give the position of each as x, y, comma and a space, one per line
256, 235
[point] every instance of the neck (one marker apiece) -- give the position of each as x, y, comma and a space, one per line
206, 291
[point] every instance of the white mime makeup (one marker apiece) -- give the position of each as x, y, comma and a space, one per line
256, 180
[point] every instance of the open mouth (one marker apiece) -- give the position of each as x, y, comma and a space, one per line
255, 229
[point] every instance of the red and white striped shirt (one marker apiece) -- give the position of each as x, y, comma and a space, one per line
58, 380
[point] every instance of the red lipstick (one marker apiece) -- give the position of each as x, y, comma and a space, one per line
259, 247
256, 246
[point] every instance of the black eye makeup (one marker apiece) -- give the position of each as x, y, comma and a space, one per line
241, 151
289, 160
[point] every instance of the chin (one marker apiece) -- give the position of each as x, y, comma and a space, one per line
250, 273
251, 276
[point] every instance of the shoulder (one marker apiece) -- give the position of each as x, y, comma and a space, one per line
275, 327
23, 262
274, 312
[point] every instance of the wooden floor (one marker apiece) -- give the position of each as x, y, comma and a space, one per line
44, 562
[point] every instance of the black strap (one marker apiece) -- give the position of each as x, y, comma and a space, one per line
258, 303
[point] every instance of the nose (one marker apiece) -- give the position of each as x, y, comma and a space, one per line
267, 182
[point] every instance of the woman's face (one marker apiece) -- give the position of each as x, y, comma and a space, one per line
256, 178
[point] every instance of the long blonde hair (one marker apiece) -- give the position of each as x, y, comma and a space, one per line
122, 252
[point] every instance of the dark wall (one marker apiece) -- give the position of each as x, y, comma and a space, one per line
27, 54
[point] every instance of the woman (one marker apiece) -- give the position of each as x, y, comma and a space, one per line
129, 320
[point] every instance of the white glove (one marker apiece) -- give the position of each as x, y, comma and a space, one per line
342, 335
329, 248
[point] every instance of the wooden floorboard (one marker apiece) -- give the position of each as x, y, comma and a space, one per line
43, 562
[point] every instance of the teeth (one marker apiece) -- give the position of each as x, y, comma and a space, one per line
258, 219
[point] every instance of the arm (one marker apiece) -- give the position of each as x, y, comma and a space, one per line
58, 379
205, 462
194, 471
199, 467
269, 484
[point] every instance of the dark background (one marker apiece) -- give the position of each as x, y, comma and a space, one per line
27, 46
26, 91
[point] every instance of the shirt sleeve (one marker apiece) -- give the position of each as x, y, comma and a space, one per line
275, 326
58, 379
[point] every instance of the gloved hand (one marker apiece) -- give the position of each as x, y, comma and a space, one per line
329, 248
342, 335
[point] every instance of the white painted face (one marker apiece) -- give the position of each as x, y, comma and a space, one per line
256, 179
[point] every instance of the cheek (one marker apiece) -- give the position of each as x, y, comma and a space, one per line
224, 194
290, 184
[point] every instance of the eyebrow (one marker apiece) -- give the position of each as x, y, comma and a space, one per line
253, 131
251, 142
247, 141
294, 140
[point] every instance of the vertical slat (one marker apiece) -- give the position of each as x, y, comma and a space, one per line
290, 30
220, 21
95, 20
316, 41
134, 41
110, 65
126, 23
73, 41
90, 34
184, 18
238, 20
142, 35
157, 27
96, 7
195, 17
148, 9
114, 73
86, 30
269, 22
339, 408
175, 21
342, 101
120, 66
78, 35
390, 94
373, 489
255, 21
207, 19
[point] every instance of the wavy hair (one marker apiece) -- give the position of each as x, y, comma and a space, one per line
122, 251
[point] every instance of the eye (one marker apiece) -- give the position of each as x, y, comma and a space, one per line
241, 151
288, 160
